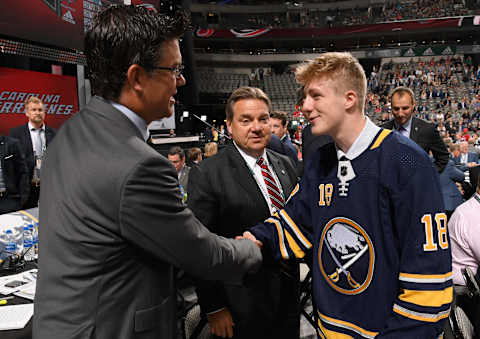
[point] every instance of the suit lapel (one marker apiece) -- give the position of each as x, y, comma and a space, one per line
414, 129
281, 173
28, 140
241, 173
48, 135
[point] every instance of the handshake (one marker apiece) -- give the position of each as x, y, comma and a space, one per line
250, 236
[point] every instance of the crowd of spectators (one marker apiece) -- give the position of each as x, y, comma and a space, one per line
390, 10
446, 89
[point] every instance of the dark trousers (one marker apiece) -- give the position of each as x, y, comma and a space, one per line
268, 307
32, 200
8, 205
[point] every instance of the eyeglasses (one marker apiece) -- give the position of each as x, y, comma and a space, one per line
177, 71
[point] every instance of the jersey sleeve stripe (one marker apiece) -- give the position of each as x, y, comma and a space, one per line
281, 240
428, 298
298, 234
295, 190
425, 278
426, 317
342, 324
380, 138
294, 246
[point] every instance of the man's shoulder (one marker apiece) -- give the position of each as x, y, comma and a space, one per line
215, 162
402, 153
388, 124
18, 130
421, 123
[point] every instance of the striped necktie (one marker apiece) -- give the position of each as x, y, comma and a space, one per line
272, 188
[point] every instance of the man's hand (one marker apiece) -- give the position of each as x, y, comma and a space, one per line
250, 236
221, 323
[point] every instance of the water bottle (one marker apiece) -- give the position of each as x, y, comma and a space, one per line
10, 244
183, 195
35, 238
28, 254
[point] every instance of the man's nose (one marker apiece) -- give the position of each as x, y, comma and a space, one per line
307, 106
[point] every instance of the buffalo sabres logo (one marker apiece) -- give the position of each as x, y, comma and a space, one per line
346, 256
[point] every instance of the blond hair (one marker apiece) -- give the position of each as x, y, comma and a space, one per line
32, 100
342, 68
210, 149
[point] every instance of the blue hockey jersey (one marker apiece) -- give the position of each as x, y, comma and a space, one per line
378, 232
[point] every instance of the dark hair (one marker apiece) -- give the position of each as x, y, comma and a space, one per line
121, 36
177, 150
282, 116
401, 91
243, 93
194, 153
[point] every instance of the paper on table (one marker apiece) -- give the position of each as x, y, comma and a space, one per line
15, 316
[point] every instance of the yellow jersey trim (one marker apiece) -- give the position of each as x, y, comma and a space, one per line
428, 298
380, 138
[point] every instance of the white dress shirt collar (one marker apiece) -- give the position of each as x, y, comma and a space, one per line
362, 142
138, 121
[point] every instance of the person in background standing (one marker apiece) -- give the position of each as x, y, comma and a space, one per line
34, 138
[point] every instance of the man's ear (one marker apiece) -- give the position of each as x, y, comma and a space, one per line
229, 127
136, 76
351, 99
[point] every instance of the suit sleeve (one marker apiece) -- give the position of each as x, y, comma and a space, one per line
152, 215
439, 150
288, 233
456, 175
425, 272
202, 202
22, 172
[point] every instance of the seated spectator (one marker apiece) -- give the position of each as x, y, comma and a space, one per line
463, 158
464, 232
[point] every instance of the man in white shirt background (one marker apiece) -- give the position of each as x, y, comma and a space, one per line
34, 137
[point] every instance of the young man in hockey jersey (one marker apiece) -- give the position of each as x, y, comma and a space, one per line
370, 208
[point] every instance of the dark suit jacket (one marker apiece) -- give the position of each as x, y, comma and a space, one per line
290, 149
474, 173
426, 135
225, 196
22, 134
451, 194
14, 169
277, 145
112, 225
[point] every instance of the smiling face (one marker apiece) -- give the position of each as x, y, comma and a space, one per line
324, 106
162, 84
250, 126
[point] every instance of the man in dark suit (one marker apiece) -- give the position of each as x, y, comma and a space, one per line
34, 137
14, 184
474, 173
176, 155
279, 123
425, 134
452, 197
112, 222
227, 193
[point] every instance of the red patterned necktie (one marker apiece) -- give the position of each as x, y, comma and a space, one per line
272, 188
